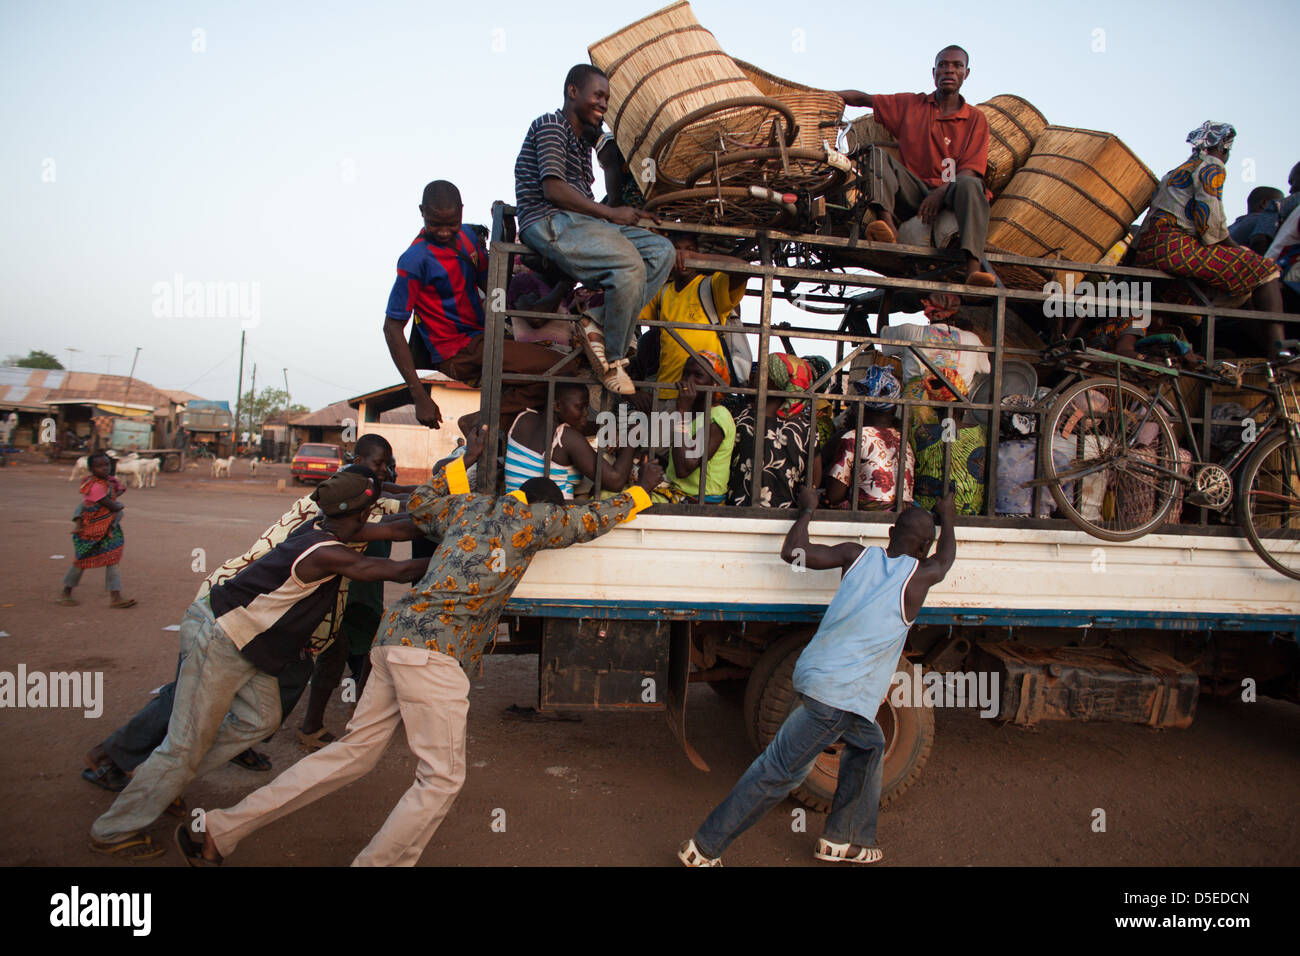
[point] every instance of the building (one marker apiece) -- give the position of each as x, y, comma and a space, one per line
82, 406
389, 412
328, 425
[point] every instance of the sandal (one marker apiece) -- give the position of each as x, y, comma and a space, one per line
250, 759
840, 852
178, 809
136, 847
983, 280
107, 776
617, 380
125, 602
191, 849
593, 343
881, 231
68, 601
316, 741
690, 855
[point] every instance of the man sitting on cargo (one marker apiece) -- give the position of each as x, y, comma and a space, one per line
438, 278
842, 677
944, 144
598, 245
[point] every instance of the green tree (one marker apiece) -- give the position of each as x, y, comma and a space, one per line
269, 403
35, 359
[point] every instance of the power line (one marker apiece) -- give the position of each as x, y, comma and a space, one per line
208, 372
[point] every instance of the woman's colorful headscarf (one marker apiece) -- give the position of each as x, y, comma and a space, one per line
789, 373
879, 382
940, 306
719, 367
937, 390
1210, 134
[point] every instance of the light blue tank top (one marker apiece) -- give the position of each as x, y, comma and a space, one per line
850, 662
523, 463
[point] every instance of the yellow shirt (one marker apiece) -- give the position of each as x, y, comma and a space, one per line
684, 306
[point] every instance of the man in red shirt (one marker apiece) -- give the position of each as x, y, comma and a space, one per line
944, 144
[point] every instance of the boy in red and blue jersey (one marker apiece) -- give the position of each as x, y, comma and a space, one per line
439, 279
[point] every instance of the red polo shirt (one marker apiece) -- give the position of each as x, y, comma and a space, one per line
926, 139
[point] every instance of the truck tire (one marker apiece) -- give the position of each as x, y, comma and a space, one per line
770, 697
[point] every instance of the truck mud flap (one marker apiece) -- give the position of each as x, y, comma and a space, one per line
1074, 683
679, 669
599, 664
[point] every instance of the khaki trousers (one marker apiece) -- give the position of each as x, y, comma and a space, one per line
896, 189
430, 693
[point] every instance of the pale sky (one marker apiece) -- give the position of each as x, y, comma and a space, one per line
284, 146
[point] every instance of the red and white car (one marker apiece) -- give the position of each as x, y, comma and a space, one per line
316, 462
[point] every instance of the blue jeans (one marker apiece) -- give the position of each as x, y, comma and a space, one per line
630, 264
785, 763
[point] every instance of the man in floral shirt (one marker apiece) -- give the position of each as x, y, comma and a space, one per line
425, 645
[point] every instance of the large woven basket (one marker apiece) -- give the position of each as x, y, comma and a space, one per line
818, 113
1014, 128
1074, 198
675, 96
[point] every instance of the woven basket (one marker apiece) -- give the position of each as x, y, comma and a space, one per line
1014, 127
1075, 197
819, 113
674, 95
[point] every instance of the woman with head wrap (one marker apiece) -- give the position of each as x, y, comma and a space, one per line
947, 330
787, 433
1186, 235
682, 480
877, 474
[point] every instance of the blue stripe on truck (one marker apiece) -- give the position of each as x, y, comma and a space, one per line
980, 617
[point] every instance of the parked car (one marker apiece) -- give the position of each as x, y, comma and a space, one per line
315, 462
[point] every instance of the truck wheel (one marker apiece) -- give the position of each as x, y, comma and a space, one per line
732, 689
171, 463
770, 697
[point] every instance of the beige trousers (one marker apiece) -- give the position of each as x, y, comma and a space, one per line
426, 690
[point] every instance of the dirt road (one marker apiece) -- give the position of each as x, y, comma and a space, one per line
613, 789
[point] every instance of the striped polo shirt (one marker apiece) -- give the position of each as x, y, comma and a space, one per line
550, 149
267, 610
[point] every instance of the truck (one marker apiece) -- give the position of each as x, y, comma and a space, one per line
209, 426
1037, 621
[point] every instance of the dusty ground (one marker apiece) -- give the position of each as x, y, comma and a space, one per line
612, 789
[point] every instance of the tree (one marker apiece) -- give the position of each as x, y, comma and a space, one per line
36, 359
269, 403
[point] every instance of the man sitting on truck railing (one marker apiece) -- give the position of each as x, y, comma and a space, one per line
842, 677
439, 278
944, 145
599, 245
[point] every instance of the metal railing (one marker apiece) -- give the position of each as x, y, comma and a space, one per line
849, 345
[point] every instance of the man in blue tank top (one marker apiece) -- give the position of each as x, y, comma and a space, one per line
842, 677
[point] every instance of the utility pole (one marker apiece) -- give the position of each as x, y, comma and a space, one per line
239, 390
127, 393
288, 430
252, 391
70, 351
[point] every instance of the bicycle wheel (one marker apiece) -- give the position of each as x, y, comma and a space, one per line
730, 206
800, 170
1101, 477
1268, 503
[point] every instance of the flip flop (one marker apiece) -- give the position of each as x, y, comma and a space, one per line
136, 847
125, 602
107, 776
192, 850
250, 759
69, 601
178, 809
983, 280
322, 738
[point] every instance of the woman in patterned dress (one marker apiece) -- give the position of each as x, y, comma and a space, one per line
785, 445
877, 477
1186, 235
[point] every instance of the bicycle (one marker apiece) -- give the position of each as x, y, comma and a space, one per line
1117, 434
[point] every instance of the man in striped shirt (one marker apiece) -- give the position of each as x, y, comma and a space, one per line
599, 245
236, 640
